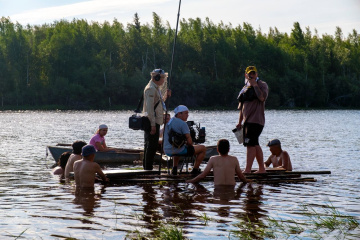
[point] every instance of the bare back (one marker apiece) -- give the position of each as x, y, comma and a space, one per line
224, 168
85, 171
70, 164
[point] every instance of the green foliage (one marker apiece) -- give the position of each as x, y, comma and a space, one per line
323, 224
82, 65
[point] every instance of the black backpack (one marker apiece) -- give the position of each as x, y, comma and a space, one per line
177, 140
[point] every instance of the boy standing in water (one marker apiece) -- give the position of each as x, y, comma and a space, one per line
76, 155
86, 169
224, 167
279, 158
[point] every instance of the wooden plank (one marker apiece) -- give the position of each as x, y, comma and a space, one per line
283, 171
182, 179
267, 176
154, 173
128, 173
309, 172
289, 180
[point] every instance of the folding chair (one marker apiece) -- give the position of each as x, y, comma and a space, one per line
186, 161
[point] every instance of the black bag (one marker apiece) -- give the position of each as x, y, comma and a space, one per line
247, 94
177, 140
137, 122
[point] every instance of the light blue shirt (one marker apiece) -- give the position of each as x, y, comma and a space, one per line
179, 126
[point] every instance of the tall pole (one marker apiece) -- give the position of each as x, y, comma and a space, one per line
171, 67
173, 50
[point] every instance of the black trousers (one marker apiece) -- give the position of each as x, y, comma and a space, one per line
150, 147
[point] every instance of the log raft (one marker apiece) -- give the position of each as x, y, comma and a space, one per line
271, 176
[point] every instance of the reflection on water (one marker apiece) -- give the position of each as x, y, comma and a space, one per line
88, 200
36, 203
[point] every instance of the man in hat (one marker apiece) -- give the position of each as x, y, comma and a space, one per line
278, 158
178, 125
86, 169
153, 108
252, 111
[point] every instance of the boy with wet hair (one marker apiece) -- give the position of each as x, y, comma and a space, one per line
224, 167
60, 169
76, 155
278, 158
85, 170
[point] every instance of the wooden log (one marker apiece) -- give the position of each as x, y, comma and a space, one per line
283, 171
181, 179
309, 172
268, 176
286, 180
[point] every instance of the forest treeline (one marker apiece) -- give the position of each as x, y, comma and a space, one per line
82, 65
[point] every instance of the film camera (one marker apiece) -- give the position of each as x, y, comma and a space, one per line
197, 134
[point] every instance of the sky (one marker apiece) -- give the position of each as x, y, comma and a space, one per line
322, 15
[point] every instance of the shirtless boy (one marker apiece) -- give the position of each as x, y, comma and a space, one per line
224, 167
85, 169
76, 155
279, 158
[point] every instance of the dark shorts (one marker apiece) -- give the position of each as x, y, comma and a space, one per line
188, 151
252, 132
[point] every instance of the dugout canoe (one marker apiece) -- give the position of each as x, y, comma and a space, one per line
122, 156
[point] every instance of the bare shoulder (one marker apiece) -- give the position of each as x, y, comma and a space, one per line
76, 162
214, 157
96, 165
233, 158
285, 153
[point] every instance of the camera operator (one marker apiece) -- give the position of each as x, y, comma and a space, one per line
154, 108
178, 125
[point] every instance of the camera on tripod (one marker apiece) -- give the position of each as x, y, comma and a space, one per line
197, 134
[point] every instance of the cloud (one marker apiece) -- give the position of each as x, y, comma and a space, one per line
92, 10
259, 13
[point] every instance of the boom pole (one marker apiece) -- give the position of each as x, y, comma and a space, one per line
173, 50
168, 83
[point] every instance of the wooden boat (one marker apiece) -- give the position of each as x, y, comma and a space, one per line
121, 156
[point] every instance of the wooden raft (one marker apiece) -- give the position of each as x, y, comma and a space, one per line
271, 176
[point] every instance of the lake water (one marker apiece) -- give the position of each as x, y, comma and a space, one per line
35, 205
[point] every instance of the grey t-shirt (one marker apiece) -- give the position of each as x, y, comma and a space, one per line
179, 126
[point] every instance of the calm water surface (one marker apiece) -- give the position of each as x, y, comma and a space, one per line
34, 202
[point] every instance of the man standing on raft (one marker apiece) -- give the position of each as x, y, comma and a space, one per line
153, 108
252, 111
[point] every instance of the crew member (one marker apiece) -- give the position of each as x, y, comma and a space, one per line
154, 108
178, 125
252, 111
